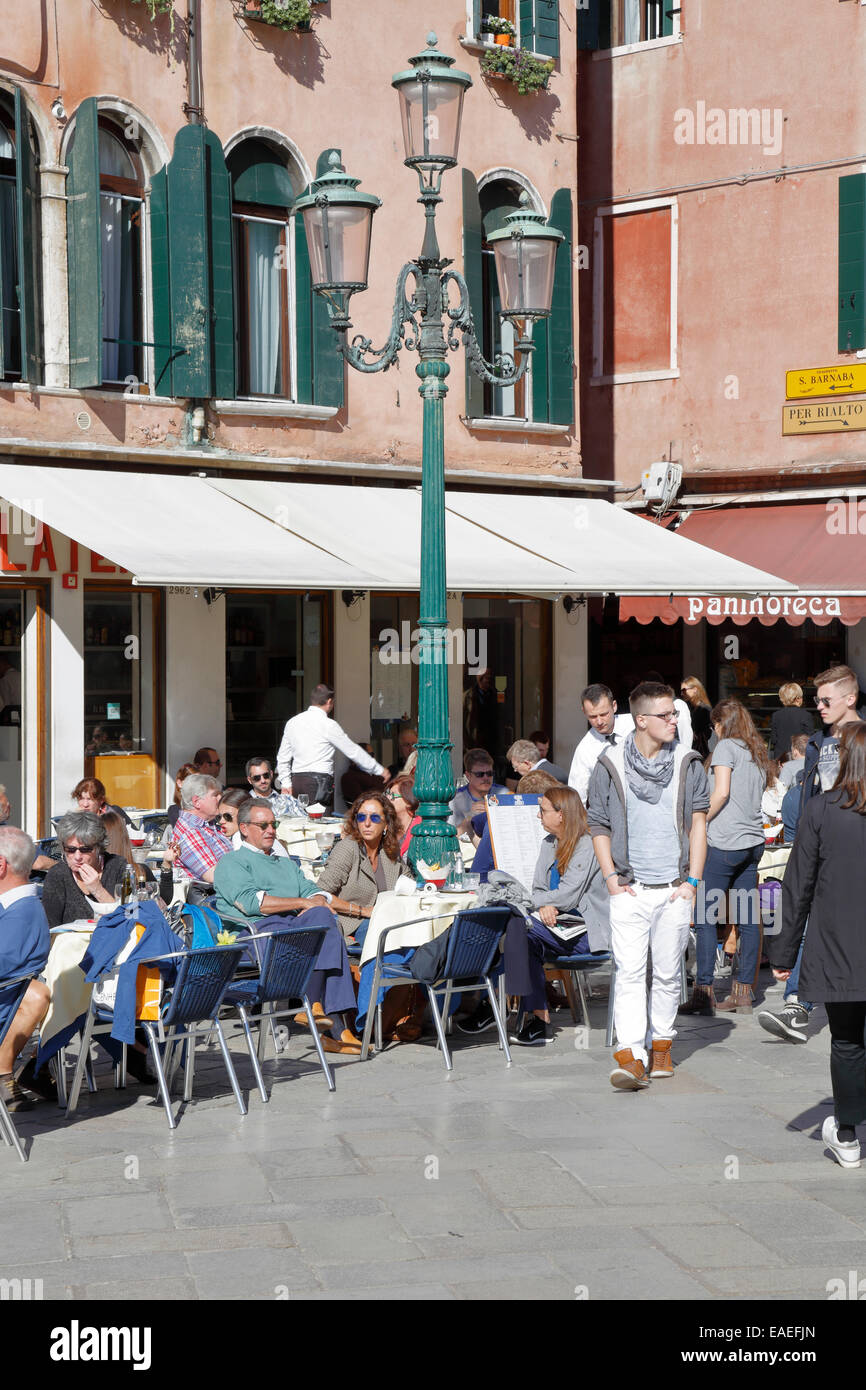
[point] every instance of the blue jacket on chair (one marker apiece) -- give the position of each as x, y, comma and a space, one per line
106, 943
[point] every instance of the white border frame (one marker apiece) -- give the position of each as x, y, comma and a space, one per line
598, 377
600, 54
471, 40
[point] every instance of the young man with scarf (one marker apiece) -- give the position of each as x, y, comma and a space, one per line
648, 802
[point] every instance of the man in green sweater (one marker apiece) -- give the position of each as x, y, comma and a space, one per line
252, 882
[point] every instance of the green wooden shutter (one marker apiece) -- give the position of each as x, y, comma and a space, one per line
667, 18
560, 324
160, 284
84, 251
539, 26
852, 263
589, 23
327, 369
473, 275
221, 269
29, 244
476, 19
553, 358
303, 316
190, 281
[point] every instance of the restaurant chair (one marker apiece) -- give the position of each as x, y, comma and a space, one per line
474, 940
288, 961
12, 992
191, 1007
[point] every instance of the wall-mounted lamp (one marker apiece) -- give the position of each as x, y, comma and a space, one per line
211, 595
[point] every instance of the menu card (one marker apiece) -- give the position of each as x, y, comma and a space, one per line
516, 834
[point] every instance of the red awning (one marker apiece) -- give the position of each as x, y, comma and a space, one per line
818, 546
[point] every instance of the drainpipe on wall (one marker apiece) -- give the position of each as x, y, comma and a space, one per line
194, 425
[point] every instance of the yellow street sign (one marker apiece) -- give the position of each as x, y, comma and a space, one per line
826, 381
824, 417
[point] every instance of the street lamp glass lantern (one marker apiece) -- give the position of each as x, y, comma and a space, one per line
431, 108
338, 221
525, 253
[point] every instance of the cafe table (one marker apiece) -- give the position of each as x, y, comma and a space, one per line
298, 834
411, 919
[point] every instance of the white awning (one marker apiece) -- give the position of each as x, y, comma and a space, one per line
238, 533
175, 530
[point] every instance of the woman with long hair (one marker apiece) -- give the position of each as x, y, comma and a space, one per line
571, 914
825, 883
402, 796
735, 844
698, 701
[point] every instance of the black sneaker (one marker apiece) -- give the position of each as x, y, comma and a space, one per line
42, 1085
532, 1034
478, 1021
791, 1023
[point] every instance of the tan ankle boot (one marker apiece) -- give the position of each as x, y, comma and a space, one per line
703, 1001
739, 1001
661, 1064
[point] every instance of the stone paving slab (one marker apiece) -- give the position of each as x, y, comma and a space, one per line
488, 1183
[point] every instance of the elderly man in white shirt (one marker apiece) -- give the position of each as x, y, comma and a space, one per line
305, 761
606, 728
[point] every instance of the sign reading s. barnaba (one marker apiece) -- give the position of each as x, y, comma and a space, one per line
826, 381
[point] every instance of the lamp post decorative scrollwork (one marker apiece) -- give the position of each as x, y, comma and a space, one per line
431, 320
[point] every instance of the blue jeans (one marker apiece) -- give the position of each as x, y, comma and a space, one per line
792, 984
726, 870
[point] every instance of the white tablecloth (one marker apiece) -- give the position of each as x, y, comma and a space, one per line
299, 836
393, 908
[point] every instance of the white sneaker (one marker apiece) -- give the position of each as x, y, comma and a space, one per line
845, 1154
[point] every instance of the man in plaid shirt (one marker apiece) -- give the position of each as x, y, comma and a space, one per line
200, 846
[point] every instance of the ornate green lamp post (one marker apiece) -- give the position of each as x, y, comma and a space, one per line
338, 223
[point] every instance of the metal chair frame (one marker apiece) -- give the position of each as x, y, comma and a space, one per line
7, 1126
386, 976
271, 991
181, 1022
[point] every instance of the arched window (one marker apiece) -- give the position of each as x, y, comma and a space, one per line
498, 199
262, 197
121, 202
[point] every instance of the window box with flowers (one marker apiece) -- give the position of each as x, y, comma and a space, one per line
503, 31
528, 73
282, 14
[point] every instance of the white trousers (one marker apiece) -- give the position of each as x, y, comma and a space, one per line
647, 920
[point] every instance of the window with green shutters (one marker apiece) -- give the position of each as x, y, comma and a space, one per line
852, 263
536, 22
546, 395
20, 246
603, 24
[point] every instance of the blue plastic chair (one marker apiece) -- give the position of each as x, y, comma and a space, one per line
192, 1008
474, 939
12, 992
288, 960
580, 964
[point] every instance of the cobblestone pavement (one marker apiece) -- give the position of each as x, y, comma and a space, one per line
537, 1181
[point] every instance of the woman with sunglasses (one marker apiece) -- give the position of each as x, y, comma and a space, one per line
364, 863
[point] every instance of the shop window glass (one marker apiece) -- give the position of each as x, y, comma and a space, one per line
274, 658
512, 695
11, 624
767, 657
393, 684
118, 677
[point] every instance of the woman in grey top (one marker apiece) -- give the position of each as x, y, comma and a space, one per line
735, 844
571, 915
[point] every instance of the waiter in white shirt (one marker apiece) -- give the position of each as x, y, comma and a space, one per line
305, 762
606, 727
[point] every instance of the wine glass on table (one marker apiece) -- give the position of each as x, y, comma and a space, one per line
303, 800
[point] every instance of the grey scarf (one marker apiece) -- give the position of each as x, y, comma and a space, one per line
647, 778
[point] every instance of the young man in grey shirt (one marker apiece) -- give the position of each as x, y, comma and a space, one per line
648, 801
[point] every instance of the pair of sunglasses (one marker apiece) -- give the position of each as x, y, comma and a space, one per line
374, 820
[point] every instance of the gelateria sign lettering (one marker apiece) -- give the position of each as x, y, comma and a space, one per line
740, 609
27, 546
